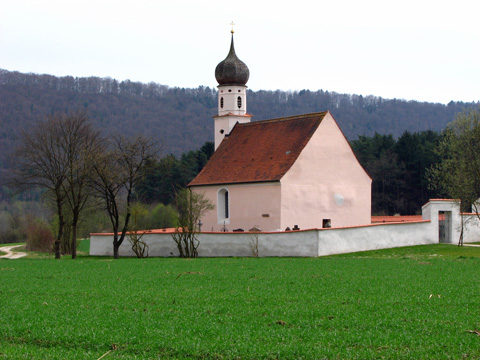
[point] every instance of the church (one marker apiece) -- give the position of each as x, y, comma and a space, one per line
291, 173
295, 172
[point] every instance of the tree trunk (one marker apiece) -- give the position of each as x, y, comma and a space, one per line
118, 241
116, 246
74, 240
60, 229
74, 232
460, 240
56, 246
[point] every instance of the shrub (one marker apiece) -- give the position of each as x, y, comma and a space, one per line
11, 227
39, 236
8, 237
163, 217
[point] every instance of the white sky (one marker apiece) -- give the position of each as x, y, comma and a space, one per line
425, 50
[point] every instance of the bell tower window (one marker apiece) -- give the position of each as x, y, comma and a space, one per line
221, 102
239, 102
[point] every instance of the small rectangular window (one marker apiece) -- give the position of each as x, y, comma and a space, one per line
326, 223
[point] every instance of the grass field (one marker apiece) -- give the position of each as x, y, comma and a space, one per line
408, 303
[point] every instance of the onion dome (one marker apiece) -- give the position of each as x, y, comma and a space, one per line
232, 70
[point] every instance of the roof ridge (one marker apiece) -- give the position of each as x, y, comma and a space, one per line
286, 118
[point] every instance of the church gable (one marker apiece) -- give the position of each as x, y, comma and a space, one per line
326, 184
261, 151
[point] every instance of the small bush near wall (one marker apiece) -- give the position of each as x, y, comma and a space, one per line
39, 236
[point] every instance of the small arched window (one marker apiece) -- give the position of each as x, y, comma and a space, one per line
223, 206
226, 204
239, 102
221, 102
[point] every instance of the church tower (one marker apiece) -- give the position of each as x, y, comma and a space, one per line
232, 75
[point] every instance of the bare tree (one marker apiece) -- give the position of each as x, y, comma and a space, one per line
57, 155
254, 243
115, 175
191, 206
41, 161
82, 146
135, 234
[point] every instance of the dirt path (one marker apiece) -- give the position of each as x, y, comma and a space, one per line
11, 254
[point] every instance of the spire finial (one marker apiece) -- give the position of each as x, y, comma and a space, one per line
232, 23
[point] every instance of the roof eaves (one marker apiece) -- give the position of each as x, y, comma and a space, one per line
235, 183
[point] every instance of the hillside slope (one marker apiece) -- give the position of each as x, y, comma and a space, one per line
181, 119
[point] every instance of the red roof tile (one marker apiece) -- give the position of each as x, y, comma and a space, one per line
259, 151
396, 218
153, 231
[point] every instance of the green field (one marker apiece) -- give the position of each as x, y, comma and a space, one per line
410, 303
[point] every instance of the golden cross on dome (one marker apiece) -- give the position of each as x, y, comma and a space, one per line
232, 23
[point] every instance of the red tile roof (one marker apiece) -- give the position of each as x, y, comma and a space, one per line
396, 218
259, 151
401, 218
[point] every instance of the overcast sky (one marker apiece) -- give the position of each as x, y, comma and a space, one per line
421, 50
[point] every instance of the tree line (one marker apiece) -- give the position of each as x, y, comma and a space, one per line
181, 118
398, 168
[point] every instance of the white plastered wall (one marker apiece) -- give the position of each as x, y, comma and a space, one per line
472, 228
293, 243
308, 243
229, 114
431, 210
230, 95
326, 182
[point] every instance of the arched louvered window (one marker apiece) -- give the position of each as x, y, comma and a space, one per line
239, 102
221, 102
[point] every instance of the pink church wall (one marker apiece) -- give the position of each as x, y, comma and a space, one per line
326, 182
249, 206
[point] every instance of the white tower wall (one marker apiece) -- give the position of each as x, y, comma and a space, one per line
232, 96
232, 108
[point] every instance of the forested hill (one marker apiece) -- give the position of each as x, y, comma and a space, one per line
181, 119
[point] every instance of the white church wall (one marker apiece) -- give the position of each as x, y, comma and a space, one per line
159, 245
302, 244
316, 242
308, 243
373, 237
326, 182
471, 232
450, 210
